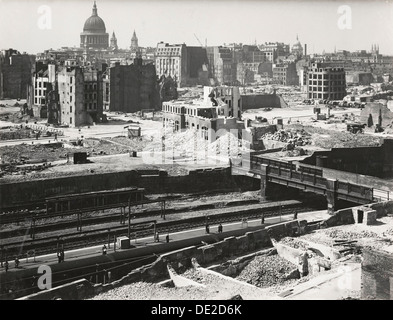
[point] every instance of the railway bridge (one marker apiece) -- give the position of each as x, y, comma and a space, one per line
304, 177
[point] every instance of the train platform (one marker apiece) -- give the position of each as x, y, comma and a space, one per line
247, 225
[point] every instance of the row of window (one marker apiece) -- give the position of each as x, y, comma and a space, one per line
334, 96
90, 106
91, 86
326, 83
326, 76
39, 101
39, 92
96, 40
39, 84
168, 51
90, 96
331, 89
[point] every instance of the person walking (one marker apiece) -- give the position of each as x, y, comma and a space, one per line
207, 228
62, 255
6, 265
59, 256
295, 215
16, 262
167, 238
104, 250
220, 228
263, 219
157, 237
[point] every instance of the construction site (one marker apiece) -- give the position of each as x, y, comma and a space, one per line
304, 204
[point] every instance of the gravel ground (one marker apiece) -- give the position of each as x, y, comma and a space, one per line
217, 288
378, 236
266, 271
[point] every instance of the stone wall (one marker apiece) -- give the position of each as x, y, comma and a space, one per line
377, 275
257, 101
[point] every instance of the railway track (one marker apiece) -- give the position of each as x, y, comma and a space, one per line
78, 239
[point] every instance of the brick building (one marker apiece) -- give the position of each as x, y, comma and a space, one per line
44, 75
80, 95
15, 74
132, 87
285, 74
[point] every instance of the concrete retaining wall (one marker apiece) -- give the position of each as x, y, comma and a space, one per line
195, 181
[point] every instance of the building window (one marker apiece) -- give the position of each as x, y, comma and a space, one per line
70, 109
71, 89
70, 98
70, 80
70, 120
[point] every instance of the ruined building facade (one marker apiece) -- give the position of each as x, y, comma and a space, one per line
285, 74
132, 87
326, 82
44, 78
15, 74
219, 112
80, 95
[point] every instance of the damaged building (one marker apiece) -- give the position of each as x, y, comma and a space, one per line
325, 82
15, 74
221, 108
132, 88
80, 95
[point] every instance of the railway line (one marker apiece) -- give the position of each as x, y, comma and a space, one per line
104, 229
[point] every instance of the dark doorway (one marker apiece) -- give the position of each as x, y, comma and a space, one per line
360, 216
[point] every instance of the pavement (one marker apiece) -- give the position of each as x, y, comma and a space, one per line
33, 262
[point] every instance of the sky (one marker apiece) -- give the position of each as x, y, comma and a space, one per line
35, 25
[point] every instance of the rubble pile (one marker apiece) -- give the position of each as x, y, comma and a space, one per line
266, 271
151, 291
294, 243
293, 137
350, 235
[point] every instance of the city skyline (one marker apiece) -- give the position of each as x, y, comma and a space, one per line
215, 22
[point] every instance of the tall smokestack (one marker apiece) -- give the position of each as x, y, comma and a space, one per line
305, 49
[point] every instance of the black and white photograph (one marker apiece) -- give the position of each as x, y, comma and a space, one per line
196, 157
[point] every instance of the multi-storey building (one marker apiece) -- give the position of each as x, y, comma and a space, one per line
131, 87
326, 82
15, 74
186, 65
221, 66
80, 95
220, 110
44, 75
285, 74
273, 50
